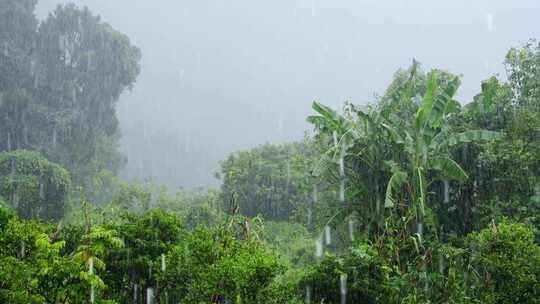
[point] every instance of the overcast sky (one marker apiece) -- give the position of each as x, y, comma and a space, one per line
223, 75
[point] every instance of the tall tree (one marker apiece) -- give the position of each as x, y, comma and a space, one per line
18, 28
61, 84
86, 65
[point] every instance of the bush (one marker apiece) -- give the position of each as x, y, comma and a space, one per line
212, 264
507, 262
32, 269
366, 274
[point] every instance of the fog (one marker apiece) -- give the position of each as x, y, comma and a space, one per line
219, 76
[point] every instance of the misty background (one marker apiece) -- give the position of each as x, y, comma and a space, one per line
219, 76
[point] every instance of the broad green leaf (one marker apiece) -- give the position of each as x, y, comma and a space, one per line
424, 112
442, 102
395, 182
450, 169
393, 133
471, 136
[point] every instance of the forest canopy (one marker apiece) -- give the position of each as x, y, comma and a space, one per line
415, 197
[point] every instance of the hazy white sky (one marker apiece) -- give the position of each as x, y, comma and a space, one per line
221, 75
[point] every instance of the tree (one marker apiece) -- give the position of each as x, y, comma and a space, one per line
87, 65
424, 144
62, 83
271, 180
505, 173
410, 128
18, 28
135, 266
35, 187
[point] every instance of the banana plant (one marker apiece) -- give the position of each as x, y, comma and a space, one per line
425, 143
339, 127
358, 134
372, 150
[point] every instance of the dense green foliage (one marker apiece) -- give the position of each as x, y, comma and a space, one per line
276, 182
35, 187
60, 80
32, 269
507, 262
414, 198
41, 264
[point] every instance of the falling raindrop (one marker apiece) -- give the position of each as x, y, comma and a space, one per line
91, 265
315, 193
334, 135
23, 249
309, 216
319, 247
342, 164
327, 235
163, 265
342, 191
90, 62
308, 295
343, 287
149, 295
41, 190
32, 67
8, 141
425, 278
135, 293
24, 129
54, 137
91, 272
351, 230
13, 166
490, 22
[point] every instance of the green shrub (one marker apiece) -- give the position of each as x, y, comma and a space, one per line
507, 262
210, 263
32, 269
366, 274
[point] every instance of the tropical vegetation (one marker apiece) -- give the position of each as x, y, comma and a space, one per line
415, 197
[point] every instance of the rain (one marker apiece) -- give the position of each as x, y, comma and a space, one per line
299, 151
